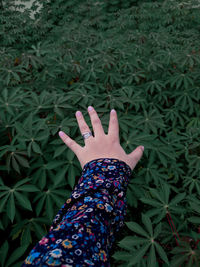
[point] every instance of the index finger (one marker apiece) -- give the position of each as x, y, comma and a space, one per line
76, 148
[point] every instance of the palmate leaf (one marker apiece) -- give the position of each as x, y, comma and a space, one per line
185, 100
151, 121
151, 172
155, 85
138, 246
32, 134
174, 116
181, 79
184, 254
192, 183
15, 160
47, 200
81, 95
164, 153
61, 125
12, 198
38, 102
160, 201
10, 100
135, 98
137, 138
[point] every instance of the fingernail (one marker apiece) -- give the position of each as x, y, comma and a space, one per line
78, 113
113, 111
142, 148
90, 108
61, 134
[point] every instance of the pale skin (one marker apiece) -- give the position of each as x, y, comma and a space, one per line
101, 145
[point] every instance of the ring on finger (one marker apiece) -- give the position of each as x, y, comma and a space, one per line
86, 135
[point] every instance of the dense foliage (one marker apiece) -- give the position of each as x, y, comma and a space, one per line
143, 59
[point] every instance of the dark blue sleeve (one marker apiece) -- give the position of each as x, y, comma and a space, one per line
84, 229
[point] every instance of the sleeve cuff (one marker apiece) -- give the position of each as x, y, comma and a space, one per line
107, 165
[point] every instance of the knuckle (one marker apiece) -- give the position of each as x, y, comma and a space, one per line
137, 157
113, 122
96, 121
113, 139
84, 128
65, 139
70, 143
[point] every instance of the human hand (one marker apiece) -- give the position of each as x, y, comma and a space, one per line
101, 145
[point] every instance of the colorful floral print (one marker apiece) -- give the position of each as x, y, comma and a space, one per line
67, 243
84, 229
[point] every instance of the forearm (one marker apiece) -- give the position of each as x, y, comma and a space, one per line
83, 230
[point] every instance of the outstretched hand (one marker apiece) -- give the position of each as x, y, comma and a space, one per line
101, 145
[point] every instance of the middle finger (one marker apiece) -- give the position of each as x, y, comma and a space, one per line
82, 123
96, 122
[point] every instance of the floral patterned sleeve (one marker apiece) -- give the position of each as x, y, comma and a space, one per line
84, 229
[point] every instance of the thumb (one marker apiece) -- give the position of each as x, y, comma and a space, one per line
136, 155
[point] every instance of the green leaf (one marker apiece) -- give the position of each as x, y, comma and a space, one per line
22, 161
27, 188
3, 252
59, 150
136, 228
60, 176
3, 202
26, 236
23, 200
146, 221
16, 255
40, 232
194, 219
157, 230
54, 164
152, 257
71, 176
21, 182
138, 255
49, 207
36, 148
40, 205
129, 241
15, 164
122, 255
177, 199
11, 207
161, 252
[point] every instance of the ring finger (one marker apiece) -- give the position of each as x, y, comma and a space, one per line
82, 124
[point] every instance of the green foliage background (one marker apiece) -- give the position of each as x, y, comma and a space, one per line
141, 58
